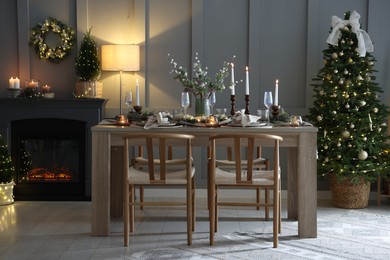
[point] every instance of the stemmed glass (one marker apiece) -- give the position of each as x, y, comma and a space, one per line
128, 98
185, 101
213, 101
268, 102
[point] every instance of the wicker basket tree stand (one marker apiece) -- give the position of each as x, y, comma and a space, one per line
348, 195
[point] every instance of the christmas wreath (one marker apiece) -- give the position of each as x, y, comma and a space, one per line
59, 52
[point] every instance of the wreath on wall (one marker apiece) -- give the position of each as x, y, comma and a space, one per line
44, 51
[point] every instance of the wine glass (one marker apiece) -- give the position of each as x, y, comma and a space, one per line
185, 101
268, 102
128, 98
213, 101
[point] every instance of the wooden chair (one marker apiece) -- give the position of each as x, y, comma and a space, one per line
158, 172
259, 164
244, 175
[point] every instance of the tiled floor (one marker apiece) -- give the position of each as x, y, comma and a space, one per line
61, 230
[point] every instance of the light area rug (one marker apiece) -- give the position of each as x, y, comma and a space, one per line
342, 234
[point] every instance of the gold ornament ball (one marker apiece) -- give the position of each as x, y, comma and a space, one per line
350, 60
345, 134
363, 155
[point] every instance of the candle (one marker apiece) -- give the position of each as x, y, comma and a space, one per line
276, 92
45, 89
11, 82
233, 88
136, 92
16, 82
246, 81
32, 84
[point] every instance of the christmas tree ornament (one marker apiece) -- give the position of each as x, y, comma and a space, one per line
352, 126
345, 134
335, 71
334, 55
341, 82
345, 72
359, 78
362, 103
350, 60
375, 110
347, 106
338, 156
341, 53
364, 138
363, 155
326, 147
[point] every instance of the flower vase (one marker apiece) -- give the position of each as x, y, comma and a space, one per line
202, 106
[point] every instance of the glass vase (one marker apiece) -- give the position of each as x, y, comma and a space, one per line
202, 105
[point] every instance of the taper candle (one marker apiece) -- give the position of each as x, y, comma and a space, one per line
246, 81
137, 93
276, 92
233, 87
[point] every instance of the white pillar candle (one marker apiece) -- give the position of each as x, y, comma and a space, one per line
136, 92
233, 87
276, 92
16, 82
11, 82
246, 81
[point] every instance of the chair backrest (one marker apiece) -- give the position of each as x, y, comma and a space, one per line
245, 144
158, 152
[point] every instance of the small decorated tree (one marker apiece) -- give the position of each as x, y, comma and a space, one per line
352, 132
87, 67
7, 172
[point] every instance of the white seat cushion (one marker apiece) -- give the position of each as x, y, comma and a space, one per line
259, 177
174, 177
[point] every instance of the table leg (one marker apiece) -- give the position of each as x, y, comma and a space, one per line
292, 185
307, 185
100, 215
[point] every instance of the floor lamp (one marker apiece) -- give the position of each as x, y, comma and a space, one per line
121, 57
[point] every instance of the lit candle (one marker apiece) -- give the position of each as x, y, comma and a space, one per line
136, 92
233, 88
11, 82
32, 84
45, 89
276, 92
16, 82
246, 81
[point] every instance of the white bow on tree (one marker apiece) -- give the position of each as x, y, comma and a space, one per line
364, 41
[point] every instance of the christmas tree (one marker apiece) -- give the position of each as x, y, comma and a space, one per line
7, 169
347, 109
87, 62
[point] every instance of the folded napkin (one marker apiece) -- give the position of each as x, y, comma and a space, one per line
158, 118
241, 118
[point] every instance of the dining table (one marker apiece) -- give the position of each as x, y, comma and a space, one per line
300, 142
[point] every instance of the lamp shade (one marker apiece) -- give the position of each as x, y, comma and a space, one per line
121, 57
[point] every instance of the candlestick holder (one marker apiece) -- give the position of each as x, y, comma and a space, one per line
275, 110
121, 120
247, 105
138, 109
233, 109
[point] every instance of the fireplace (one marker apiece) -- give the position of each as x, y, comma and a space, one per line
50, 144
49, 158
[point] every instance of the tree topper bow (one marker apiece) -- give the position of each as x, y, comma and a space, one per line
364, 41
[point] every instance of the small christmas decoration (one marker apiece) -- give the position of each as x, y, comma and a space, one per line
87, 67
7, 172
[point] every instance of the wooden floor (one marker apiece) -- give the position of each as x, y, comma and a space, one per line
61, 230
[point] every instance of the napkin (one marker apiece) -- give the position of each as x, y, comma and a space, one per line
242, 119
158, 118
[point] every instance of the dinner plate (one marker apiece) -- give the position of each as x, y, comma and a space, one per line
254, 124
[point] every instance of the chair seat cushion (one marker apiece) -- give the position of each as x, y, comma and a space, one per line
259, 177
175, 177
142, 160
244, 162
